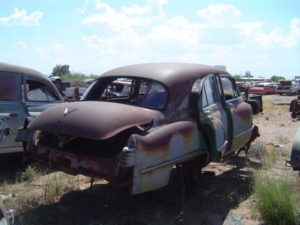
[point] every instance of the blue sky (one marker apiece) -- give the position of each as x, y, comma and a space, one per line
92, 36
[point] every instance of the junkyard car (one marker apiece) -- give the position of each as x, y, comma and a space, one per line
287, 87
295, 154
24, 93
6, 216
174, 114
263, 88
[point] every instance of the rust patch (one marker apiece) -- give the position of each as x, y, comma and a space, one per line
243, 112
85, 165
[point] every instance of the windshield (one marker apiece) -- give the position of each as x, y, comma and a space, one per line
135, 91
260, 85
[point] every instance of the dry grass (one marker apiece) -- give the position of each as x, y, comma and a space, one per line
269, 106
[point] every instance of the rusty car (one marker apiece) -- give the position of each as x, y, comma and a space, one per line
287, 87
174, 114
24, 93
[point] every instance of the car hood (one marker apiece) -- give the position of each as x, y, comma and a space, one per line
93, 120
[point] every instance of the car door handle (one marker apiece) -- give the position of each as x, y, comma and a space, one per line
9, 114
13, 114
207, 111
230, 104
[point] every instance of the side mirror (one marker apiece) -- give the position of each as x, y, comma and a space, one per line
246, 94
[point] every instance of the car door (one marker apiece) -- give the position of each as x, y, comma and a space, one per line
213, 118
239, 114
12, 112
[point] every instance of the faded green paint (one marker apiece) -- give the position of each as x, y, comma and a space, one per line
295, 154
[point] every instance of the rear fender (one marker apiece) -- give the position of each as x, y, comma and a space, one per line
161, 149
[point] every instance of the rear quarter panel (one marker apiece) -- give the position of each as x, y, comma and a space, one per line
163, 148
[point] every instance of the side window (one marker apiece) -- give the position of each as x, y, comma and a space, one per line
117, 88
8, 87
209, 92
37, 91
229, 89
152, 95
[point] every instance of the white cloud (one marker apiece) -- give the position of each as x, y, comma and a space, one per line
294, 34
127, 18
153, 6
178, 30
250, 28
220, 15
20, 17
276, 37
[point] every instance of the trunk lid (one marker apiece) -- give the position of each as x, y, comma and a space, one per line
93, 120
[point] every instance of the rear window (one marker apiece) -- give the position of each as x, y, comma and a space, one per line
134, 91
8, 87
259, 85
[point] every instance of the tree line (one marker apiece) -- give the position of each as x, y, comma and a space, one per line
63, 71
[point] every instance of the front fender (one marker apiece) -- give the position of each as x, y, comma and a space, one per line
161, 149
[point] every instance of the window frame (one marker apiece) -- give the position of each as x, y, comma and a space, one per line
45, 84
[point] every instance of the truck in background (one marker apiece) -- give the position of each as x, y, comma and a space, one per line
288, 87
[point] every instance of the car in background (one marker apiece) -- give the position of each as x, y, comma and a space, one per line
24, 93
255, 100
287, 87
169, 115
263, 88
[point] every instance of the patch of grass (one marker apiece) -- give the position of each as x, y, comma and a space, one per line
275, 200
3, 186
56, 185
283, 140
269, 158
29, 174
269, 106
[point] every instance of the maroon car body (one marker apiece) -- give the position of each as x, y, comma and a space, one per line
173, 114
263, 88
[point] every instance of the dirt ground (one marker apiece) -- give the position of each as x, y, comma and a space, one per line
222, 197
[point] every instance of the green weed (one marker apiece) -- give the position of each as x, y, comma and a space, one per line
29, 174
275, 200
56, 185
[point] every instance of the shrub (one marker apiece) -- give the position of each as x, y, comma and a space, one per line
29, 174
275, 200
55, 187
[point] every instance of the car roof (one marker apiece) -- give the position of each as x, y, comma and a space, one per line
30, 73
177, 77
5, 67
263, 83
166, 73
